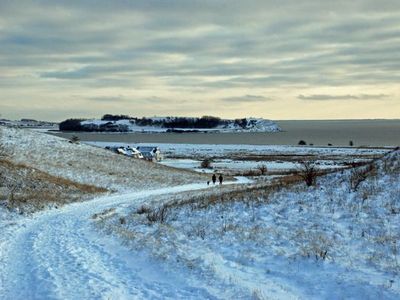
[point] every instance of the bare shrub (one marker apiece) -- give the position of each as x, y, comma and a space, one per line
318, 247
308, 172
200, 231
206, 163
13, 187
391, 164
74, 139
250, 173
263, 169
158, 215
359, 175
302, 143
143, 210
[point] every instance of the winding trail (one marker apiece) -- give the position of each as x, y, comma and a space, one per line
58, 254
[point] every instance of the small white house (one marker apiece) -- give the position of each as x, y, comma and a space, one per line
151, 153
127, 151
133, 152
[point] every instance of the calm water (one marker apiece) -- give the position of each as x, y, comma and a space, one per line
337, 133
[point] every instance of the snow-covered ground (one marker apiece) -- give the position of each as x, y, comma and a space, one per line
58, 254
337, 240
240, 240
207, 150
232, 166
234, 159
89, 165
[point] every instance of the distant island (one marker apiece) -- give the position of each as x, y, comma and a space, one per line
123, 123
28, 123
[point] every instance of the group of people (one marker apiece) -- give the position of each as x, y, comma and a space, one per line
214, 179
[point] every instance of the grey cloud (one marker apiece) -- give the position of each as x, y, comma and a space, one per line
247, 98
127, 51
110, 99
199, 45
343, 97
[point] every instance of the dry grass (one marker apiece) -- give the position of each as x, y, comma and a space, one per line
31, 189
3, 151
206, 199
92, 165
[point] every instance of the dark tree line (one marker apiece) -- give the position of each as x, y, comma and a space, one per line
169, 122
241, 122
203, 122
72, 125
109, 117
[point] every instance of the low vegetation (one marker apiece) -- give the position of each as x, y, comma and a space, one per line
27, 189
308, 172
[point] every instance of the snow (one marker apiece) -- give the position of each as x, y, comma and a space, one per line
58, 254
89, 165
221, 165
233, 159
238, 240
205, 150
271, 244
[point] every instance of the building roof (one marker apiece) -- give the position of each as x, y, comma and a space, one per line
147, 148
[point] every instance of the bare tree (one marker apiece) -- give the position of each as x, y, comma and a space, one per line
359, 175
206, 163
74, 139
308, 172
302, 143
263, 169
158, 215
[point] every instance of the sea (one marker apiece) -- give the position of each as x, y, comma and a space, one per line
359, 133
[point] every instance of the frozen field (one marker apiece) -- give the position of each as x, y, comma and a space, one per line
242, 159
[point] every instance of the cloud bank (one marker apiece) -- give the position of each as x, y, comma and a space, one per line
344, 97
196, 50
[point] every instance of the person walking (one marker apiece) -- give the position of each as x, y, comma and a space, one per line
214, 178
220, 178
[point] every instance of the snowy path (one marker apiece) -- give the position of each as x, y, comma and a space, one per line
57, 254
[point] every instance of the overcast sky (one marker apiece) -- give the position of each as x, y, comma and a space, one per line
273, 59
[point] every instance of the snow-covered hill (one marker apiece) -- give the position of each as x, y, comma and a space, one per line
87, 164
336, 240
164, 125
